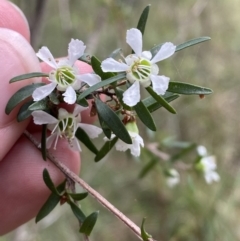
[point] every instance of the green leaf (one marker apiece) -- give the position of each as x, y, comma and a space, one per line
112, 121
153, 105
77, 212
50, 204
43, 142
21, 95
83, 102
28, 76
145, 236
84, 138
49, 183
89, 223
54, 98
38, 105
182, 46
24, 111
160, 100
107, 132
96, 65
101, 84
78, 196
86, 58
192, 42
148, 167
105, 149
182, 153
188, 89
145, 116
143, 19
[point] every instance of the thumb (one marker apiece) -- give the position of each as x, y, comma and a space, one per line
16, 57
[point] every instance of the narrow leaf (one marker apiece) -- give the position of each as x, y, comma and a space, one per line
112, 121
21, 95
28, 76
78, 196
143, 19
101, 84
38, 105
148, 167
43, 142
48, 181
105, 149
107, 132
145, 236
145, 116
182, 46
83, 102
191, 43
153, 105
160, 100
77, 212
188, 89
24, 111
89, 223
84, 138
96, 65
50, 204
85, 58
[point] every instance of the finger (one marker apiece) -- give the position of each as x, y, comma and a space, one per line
22, 188
16, 57
11, 17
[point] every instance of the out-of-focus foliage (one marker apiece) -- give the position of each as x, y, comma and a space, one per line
193, 211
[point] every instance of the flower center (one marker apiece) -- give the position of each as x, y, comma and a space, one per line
65, 76
141, 69
67, 128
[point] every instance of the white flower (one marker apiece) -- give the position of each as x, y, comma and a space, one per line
140, 67
173, 178
137, 141
65, 76
208, 166
65, 126
201, 150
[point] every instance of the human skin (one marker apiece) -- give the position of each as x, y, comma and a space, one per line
22, 190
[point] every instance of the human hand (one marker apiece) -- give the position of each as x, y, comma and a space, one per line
22, 189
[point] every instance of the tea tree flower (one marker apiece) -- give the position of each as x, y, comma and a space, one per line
137, 141
65, 76
173, 177
140, 67
208, 166
65, 126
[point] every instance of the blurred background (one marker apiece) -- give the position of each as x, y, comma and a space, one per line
193, 210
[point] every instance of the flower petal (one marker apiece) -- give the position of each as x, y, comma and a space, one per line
167, 50
121, 146
51, 139
45, 55
70, 95
75, 145
41, 117
160, 83
111, 65
76, 49
90, 79
134, 39
78, 109
147, 55
91, 130
62, 113
132, 95
43, 91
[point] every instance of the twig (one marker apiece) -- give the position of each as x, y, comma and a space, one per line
93, 192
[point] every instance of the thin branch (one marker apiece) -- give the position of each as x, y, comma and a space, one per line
136, 230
